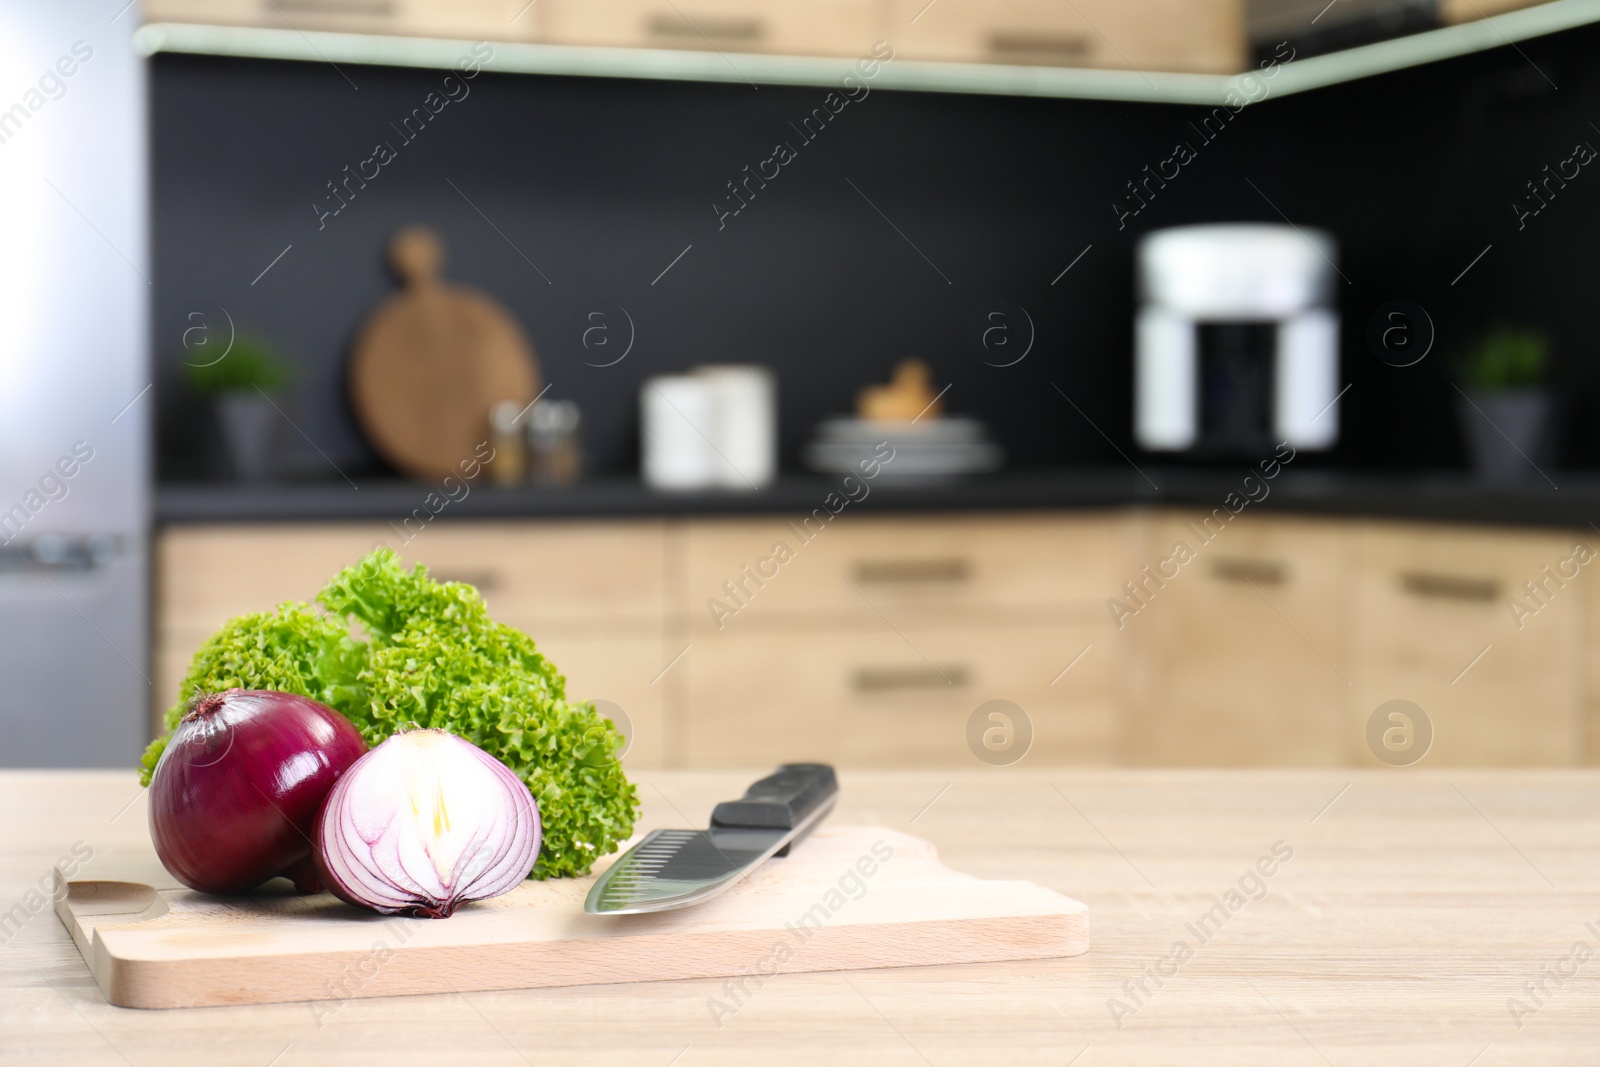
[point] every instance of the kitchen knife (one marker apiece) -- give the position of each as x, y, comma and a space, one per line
676, 868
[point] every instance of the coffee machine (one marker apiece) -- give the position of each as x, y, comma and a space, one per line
1237, 340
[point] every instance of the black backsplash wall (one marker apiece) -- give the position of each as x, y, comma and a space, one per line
601, 183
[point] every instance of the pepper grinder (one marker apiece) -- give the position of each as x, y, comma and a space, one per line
553, 442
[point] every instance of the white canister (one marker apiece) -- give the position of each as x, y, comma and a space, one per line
676, 424
745, 421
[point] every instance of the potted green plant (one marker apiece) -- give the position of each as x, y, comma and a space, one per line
242, 385
1506, 408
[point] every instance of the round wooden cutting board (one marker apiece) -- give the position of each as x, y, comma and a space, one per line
430, 363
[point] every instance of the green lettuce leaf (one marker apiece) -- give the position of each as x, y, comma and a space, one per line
433, 658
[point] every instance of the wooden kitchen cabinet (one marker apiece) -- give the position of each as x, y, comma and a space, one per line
845, 28
994, 569
1242, 658
1201, 36
1434, 625
876, 640
468, 19
888, 698
1206, 36
1454, 11
576, 575
591, 594
1009, 607
619, 669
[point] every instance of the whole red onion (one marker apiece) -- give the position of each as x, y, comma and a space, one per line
236, 793
424, 823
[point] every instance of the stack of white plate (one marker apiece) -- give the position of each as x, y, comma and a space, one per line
929, 450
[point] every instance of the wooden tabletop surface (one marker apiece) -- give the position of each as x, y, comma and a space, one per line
1281, 917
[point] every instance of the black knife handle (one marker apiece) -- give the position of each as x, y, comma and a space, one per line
780, 801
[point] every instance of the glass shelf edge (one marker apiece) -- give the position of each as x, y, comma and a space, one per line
1130, 86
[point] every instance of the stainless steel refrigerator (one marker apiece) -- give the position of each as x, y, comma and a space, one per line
75, 402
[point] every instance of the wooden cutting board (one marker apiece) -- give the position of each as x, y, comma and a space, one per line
430, 363
849, 897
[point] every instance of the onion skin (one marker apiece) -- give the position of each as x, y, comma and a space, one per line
424, 823
236, 793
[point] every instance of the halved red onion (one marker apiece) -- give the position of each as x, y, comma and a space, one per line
424, 823
235, 796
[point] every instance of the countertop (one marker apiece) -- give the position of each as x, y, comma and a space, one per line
1567, 500
1406, 912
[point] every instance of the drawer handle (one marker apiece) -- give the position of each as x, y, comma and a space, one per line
901, 571
1039, 47
1261, 572
376, 8
884, 679
485, 581
1450, 587
677, 27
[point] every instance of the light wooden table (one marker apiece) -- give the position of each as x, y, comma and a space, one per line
1402, 930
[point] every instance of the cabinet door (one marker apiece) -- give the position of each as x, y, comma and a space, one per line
1454, 11
572, 574
855, 569
1481, 629
619, 670
1240, 656
806, 27
591, 594
465, 19
875, 697
1153, 35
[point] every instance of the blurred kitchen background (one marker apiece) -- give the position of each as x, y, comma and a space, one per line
1303, 288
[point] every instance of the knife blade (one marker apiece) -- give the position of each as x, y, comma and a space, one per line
676, 868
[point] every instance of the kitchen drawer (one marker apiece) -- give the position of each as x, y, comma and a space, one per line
1434, 625
807, 27
619, 670
862, 568
1240, 655
470, 19
1454, 11
532, 575
1157, 35
869, 698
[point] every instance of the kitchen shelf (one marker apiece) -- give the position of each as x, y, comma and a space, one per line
914, 75
1437, 496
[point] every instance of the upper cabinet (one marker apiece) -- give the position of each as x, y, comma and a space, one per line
845, 28
498, 20
1455, 11
1180, 51
1199, 36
